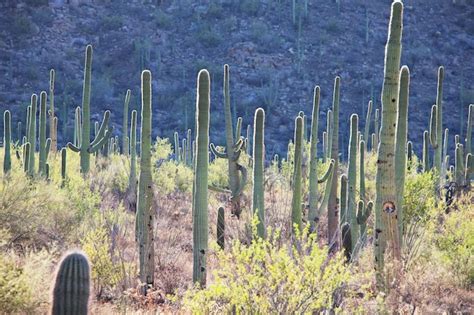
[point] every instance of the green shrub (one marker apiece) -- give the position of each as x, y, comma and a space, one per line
419, 197
249, 7
208, 37
455, 240
162, 20
111, 23
22, 25
15, 295
271, 276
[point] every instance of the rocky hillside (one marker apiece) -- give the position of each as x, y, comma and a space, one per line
277, 54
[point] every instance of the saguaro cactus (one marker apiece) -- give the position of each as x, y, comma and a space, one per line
297, 175
86, 148
400, 144
367, 122
200, 220
470, 122
314, 211
72, 286
145, 213
362, 170
7, 136
347, 240
343, 200
32, 135
125, 138
333, 211
44, 144
363, 213
133, 152
436, 130
426, 156
258, 204
352, 180
234, 147
386, 209
53, 123
63, 165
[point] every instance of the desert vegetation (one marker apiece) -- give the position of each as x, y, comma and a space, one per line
127, 223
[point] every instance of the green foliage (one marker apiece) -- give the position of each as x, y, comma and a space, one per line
96, 244
162, 20
271, 276
208, 37
111, 23
419, 199
249, 7
455, 240
15, 294
171, 177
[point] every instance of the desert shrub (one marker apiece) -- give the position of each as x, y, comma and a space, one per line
271, 276
34, 212
218, 173
419, 196
22, 25
96, 244
15, 294
113, 178
171, 176
455, 241
162, 20
110, 23
208, 37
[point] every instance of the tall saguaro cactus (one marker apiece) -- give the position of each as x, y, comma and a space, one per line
133, 153
333, 211
125, 138
367, 122
386, 209
53, 123
234, 147
297, 175
32, 135
86, 148
44, 144
400, 143
145, 214
258, 169
470, 123
72, 286
7, 136
201, 164
352, 180
437, 129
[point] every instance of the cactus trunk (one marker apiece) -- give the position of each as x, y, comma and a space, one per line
200, 198
145, 213
258, 170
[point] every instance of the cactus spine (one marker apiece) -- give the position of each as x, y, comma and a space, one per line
221, 228
125, 138
297, 175
145, 213
7, 136
53, 120
200, 220
400, 144
86, 148
258, 170
352, 180
44, 144
334, 142
386, 209
72, 286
